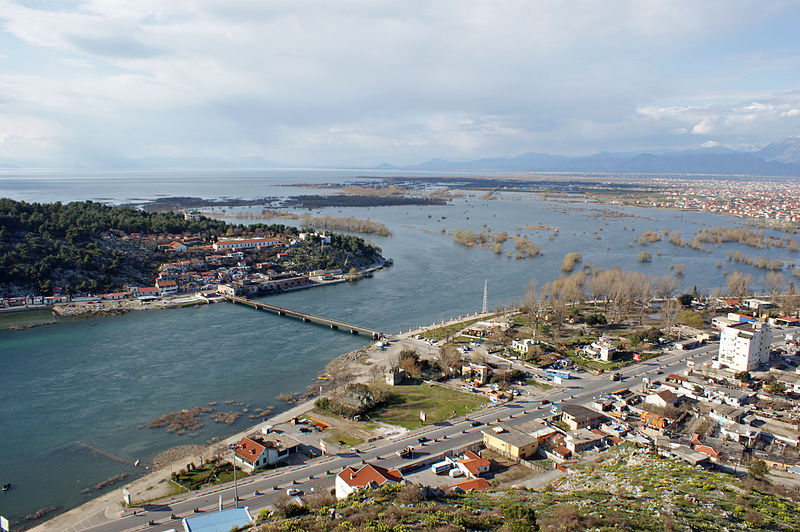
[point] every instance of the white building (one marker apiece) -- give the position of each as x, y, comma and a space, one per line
191, 215
602, 349
524, 346
249, 243
256, 452
368, 476
745, 346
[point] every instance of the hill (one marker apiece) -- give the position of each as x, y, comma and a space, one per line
627, 489
84, 247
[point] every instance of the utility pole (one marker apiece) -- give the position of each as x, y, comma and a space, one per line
485, 307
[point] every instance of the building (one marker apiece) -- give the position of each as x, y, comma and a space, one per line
579, 417
395, 376
473, 465
744, 346
662, 399
477, 484
256, 452
233, 518
510, 442
476, 373
602, 349
245, 243
583, 439
524, 346
368, 476
191, 215
166, 288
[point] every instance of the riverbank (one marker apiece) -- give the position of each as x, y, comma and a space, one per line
357, 365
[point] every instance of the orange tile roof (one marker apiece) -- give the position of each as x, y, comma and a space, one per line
477, 484
249, 450
369, 474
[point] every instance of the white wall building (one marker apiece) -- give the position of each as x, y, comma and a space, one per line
745, 346
524, 346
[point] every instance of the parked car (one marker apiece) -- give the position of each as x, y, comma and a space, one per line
291, 492
305, 429
422, 439
476, 424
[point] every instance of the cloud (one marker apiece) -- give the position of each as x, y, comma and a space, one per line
359, 82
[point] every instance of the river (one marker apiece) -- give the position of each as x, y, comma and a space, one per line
74, 386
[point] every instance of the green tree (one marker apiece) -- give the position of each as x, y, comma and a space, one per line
757, 469
776, 388
520, 518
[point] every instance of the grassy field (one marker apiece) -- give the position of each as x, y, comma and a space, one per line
335, 435
441, 333
213, 473
437, 402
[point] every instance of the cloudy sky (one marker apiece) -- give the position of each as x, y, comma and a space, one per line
306, 82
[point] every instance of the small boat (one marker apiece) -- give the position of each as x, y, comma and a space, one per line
7, 487
136, 463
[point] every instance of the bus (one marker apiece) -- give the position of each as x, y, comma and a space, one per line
558, 373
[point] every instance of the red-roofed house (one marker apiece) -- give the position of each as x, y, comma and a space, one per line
255, 452
705, 449
369, 476
477, 484
473, 465
166, 287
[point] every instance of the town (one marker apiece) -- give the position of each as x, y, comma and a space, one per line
723, 395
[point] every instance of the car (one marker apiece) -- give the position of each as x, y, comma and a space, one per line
545, 402
305, 429
422, 439
291, 492
475, 424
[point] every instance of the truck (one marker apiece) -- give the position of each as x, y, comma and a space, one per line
441, 467
405, 453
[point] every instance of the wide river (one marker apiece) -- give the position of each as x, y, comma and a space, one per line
75, 394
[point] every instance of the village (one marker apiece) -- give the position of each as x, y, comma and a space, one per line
227, 265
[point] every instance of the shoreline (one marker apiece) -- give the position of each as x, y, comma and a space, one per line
155, 484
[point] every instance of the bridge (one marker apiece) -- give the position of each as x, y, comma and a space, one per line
281, 311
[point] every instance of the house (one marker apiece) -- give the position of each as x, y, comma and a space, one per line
145, 292
368, 476
177, 247
654, 421
191, 215
510, 442
758, 304
689, 455
256, 452
662, 399
473, 465
524, 346
477, 484
744, 346
579, 417
581, 440
166, 288
602, 348
476, 373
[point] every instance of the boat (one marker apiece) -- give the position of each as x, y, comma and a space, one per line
7, 487
136, 463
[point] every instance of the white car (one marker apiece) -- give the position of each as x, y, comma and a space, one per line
291, 492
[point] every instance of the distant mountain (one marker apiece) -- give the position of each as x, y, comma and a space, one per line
779, 159
784, 151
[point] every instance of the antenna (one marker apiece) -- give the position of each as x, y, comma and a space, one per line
485, 308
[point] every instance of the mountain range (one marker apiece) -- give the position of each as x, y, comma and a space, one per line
780, 158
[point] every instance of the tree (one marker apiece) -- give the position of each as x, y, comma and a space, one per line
570, 259
757, 469
743, 376
776, 388
691, 318
668, 311
644, 257
408, 359
596, 320
520, 518
448, 358
685, 300
739, 284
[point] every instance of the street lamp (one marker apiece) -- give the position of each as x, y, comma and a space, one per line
232, 447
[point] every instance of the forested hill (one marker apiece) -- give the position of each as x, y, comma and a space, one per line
87, 247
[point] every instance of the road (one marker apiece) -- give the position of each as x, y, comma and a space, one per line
319, 473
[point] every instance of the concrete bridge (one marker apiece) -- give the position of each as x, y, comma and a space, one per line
281, 311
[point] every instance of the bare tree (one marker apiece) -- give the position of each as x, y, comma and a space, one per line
739, 284
669, 311
667, 286
775, 284
448, 358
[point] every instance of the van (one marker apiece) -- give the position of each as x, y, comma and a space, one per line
441, 467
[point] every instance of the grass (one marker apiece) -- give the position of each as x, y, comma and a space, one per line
437, 402
530, 381
211, 473
440, 333
335, 435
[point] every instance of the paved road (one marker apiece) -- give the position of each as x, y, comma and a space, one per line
319, 473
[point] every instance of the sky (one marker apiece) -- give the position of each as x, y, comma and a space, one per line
361, 82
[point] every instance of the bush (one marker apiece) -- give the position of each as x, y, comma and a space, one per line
644, 257
594, 320
410, 494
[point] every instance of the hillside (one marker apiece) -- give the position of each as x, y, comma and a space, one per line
628, 489
90, 247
